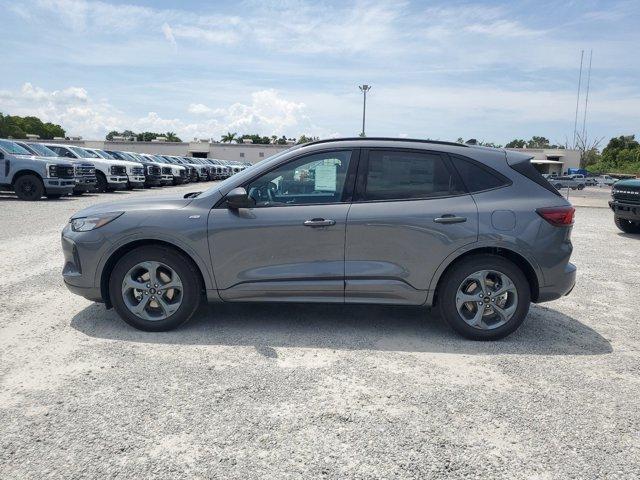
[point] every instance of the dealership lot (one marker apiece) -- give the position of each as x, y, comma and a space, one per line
315, 390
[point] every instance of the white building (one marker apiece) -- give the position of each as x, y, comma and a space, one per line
552, 160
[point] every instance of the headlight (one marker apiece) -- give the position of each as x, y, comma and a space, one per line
53, 170
86, 224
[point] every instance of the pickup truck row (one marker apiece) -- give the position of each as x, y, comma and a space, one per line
36, 169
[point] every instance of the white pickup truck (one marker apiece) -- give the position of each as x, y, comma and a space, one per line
110, 174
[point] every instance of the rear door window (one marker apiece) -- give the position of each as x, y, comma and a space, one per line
406, 174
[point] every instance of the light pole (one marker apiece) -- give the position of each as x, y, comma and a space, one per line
364, 89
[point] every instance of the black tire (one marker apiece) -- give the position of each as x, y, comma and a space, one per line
28, 187
558, 186
77, 193
53, 196
448, 288
101, 182
581, 186
182, 265
627, 226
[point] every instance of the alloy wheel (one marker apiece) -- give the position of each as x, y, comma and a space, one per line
152, 291
486, 299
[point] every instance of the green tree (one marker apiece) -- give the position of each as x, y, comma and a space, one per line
516, 143
305, 139
15, 126
172, 137
229, 137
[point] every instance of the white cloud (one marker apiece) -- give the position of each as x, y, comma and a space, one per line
268, 113
168, 34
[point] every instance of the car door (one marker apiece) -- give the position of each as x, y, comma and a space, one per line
290, 245
410, 212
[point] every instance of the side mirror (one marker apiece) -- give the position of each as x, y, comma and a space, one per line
239, 198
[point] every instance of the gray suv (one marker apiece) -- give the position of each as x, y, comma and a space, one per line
476, 232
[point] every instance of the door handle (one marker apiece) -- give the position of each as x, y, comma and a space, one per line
450, 218
319, 222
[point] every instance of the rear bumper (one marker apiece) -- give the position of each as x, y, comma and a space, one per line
628, 211
563, 285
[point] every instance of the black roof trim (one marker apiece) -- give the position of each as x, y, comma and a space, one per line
393, 139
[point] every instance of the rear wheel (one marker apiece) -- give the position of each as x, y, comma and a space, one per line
29, 187
627, 226
155, 288
484, 297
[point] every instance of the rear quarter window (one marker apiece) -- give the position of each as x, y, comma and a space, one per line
477, 177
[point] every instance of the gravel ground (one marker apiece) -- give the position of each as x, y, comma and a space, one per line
309, 391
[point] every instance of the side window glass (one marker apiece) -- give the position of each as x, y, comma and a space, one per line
475, 177
398, 175
318, 178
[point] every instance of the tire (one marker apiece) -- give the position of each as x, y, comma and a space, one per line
581, 186
518, 300
29, 188
558, 186
101, 182
189, 295
53, 196
627, 226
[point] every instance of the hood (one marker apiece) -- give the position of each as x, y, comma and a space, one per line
52, 160
632, 182
148, 204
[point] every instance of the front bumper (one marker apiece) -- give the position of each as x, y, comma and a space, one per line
85, 184
167, 179
117, 183
74, 279
628, 211
563, 285
59, 185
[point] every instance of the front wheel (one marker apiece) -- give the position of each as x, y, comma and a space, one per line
155, 288
484, 297
29, 187
101, 182
627, 226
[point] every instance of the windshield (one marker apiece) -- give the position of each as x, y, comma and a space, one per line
41, 150
82, 153
104, 154
12, 147
245, 174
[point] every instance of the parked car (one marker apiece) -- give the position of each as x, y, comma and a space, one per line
152, 169
625, 203
110, 174
31, 177
566, 182
172, 173
135, 170
475, 232
605, 180
201, 171
580, 179
84, 172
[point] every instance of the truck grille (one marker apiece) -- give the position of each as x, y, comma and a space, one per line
118, 170
153, 170
627, 194
66, 171
166, 170
137, 170
85, 170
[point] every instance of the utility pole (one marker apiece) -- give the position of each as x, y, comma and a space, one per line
575, 122
586, 104
364, 89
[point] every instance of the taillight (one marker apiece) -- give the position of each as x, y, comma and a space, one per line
558, 216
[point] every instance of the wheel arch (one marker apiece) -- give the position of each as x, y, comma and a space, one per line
525, 265
22, 173
122, 250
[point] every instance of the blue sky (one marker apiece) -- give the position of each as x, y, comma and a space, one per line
489, 70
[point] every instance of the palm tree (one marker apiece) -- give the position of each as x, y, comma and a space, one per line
229, 137
172, 137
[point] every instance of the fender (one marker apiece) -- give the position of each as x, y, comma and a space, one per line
508, 243
144, 235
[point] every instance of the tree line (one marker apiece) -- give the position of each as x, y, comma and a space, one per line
142, 137
14, 126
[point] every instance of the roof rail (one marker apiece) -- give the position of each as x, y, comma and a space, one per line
393, 139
